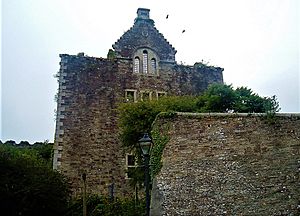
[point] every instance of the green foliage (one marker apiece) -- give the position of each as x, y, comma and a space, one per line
217, 98
111, 54
223, 98
28, 186
249, 102
271, 104
136, 175
103, 206
205, 65
10, 142
160, 139
137, 118
43, 150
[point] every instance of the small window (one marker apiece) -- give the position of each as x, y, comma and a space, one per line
145, 96
136, 64
145, 61
130, 160
130, 96
130, 165
153, 65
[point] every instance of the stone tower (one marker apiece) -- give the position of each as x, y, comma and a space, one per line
142, 66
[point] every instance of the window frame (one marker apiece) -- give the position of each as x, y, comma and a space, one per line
137, 64
153, 66
129, 166
142, 92
145, 62
134, 95
158, 93
148, 62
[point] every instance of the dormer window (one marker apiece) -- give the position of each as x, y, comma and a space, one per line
145, 62
136, 64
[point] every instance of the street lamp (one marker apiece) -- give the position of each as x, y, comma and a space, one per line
145, 144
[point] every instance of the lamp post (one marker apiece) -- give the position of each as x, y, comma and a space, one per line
145, 144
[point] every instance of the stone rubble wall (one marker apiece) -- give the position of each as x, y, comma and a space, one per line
229, 164
90, 89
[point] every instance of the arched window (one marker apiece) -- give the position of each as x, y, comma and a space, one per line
136, 64
153, 65
145, 61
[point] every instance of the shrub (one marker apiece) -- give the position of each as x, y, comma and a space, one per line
28, 186
103, 206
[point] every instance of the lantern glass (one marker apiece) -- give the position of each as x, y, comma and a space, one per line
145, 144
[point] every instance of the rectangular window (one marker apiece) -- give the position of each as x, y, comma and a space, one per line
136, 65
130, 160
130, 165
130, 95
146, 95
145, 62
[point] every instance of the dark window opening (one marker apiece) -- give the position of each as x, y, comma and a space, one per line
130, 96
130, 160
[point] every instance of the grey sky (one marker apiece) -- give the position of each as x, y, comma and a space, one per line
256, 41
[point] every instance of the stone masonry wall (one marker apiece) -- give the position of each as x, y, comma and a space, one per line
86, 119
86, 138
228, 164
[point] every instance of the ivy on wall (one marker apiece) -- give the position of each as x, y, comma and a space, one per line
160, 138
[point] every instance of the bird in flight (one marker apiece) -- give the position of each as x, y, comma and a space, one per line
167, 16
183, 31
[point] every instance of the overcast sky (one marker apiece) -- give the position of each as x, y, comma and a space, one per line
255, 41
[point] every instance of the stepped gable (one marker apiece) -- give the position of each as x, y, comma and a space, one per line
144, 34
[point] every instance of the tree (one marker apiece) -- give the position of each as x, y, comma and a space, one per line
28, 186
10, 142
223, 98
249, 102
44, 150
24, 144
217, 98
137, 118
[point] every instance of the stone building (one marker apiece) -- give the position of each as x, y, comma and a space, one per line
142, 66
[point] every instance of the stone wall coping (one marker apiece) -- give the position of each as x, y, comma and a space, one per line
83, 57
235, 114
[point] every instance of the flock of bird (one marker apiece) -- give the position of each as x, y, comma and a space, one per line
167, 17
